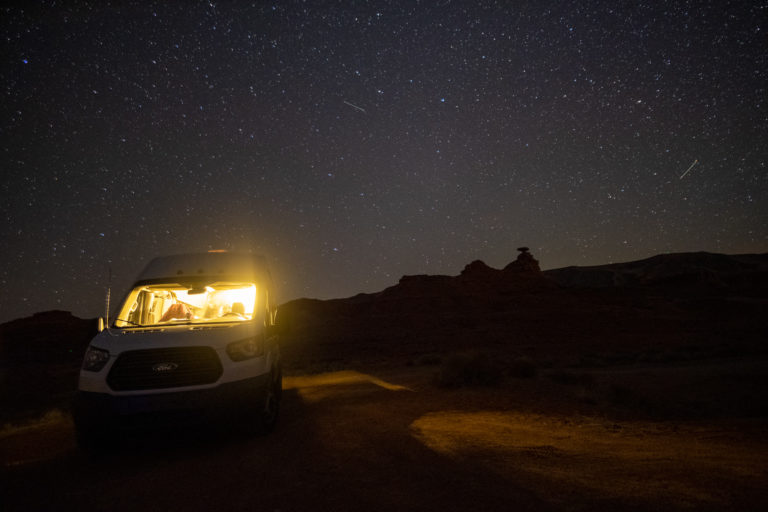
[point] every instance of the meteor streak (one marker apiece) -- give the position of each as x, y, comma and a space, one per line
691, 167
355, 106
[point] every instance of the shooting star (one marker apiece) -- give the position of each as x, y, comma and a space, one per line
691, 167
355, 106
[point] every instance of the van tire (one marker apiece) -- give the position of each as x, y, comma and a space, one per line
263, 417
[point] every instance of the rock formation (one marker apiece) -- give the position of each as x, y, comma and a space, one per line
525, 262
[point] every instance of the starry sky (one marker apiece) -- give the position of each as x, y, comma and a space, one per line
355, 142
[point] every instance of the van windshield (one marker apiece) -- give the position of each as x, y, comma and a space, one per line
174, 303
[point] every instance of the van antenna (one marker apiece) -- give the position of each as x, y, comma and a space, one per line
109, 292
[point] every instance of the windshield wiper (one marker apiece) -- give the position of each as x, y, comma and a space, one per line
129, 322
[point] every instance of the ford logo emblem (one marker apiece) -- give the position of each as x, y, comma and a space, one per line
164, 367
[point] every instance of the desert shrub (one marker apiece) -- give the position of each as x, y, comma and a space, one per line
426, 360
592, 359
468, 369
522, 368
665, 356
621, 358
649, 356
313, 366
624, 396
571, 378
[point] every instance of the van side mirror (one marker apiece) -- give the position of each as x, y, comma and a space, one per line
100, 326
282, 324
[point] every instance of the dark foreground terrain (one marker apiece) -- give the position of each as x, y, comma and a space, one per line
391, 440
634, 387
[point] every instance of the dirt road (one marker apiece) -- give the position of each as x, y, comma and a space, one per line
390, 440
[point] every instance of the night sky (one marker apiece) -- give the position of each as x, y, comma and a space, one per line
355, 142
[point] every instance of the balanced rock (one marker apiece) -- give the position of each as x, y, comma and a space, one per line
525, 262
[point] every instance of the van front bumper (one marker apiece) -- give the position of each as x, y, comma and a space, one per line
226, 401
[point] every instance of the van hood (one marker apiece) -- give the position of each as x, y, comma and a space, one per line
117, 341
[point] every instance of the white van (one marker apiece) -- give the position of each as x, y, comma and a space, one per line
194, 338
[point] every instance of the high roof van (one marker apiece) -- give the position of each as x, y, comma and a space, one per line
193, 338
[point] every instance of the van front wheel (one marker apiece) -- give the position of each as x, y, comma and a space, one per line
264, 415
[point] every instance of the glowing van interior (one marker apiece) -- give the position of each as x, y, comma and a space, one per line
159, 304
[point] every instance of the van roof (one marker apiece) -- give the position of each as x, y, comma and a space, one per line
242, 265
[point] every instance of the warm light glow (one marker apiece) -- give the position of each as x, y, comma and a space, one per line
341, 378
170, 304
228, 296
315, 388
563, 456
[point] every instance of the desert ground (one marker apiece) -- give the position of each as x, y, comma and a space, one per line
388, 438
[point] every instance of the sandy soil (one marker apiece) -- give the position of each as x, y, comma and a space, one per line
384, 437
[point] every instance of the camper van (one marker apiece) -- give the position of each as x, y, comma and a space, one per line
194, 338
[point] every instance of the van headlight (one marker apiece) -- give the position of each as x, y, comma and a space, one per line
245, 349
95, 359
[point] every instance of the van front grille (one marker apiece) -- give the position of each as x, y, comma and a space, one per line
164, 368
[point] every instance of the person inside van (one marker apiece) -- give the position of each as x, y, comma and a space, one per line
178, 311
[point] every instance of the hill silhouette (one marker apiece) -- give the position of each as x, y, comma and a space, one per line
736, 273
713, 302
